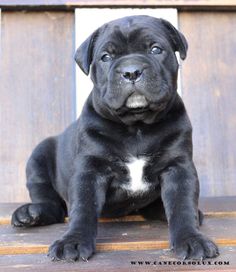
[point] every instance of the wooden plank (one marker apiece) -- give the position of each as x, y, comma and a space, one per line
151, 260
112, 236
208, 88
192, 4
100, 247
37, 89
128, 218
109, 232
0, 33
6, 210
113, 246
217, 204
211, 206
136, 218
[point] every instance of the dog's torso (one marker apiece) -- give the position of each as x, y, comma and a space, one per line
130, 157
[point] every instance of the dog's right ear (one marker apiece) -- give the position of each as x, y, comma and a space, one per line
179, 41
84, 54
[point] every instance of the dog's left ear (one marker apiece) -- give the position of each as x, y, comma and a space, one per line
84, 54
178, 39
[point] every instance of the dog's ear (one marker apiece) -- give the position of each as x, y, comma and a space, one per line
178, 39
84, 54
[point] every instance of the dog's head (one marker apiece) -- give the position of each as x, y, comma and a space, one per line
133, 67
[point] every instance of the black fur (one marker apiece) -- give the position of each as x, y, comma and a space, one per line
85, 168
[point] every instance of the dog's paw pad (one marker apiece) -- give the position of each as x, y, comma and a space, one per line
26, 216
55, 251
86, 251
64, 250
195, 246
70, 251
211, 250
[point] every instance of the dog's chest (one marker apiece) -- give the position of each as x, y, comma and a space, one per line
136, 180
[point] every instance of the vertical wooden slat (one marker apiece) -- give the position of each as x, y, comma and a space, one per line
37, 89
0, 33
208, 81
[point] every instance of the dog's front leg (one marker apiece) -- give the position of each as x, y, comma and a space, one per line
86, 199
179, 190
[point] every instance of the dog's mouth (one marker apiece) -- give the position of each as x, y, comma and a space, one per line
137, 103
138, 110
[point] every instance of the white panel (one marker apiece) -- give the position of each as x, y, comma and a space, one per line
88, 20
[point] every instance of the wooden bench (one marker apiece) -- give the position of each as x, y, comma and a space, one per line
126, 244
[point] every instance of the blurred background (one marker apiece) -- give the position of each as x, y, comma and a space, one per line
42, 91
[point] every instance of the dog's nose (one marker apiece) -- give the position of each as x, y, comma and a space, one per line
132, 74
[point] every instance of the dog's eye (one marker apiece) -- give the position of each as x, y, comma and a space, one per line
106, 58
156, 50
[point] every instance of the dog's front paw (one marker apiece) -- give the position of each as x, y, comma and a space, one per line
70, 249
194, 246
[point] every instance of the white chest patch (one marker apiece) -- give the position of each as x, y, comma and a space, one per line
136, 182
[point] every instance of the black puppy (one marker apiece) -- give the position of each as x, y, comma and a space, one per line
131, 148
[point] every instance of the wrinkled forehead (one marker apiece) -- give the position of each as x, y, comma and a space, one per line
132, 31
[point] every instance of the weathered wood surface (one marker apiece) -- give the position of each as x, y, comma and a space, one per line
208, 89
190, 4
119, 261
37, 91
221, 204
111, 235
119, 243
211, 206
